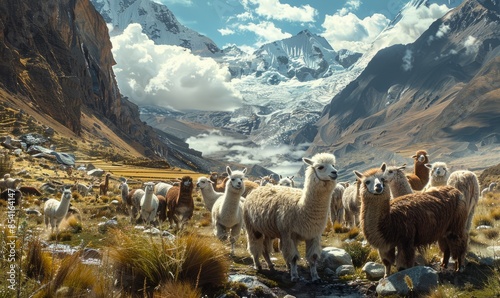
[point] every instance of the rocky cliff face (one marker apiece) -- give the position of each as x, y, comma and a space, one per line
57, 56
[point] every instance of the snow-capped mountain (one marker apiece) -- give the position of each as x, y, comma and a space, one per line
157, 21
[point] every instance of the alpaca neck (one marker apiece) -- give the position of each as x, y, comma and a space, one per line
316, 194
148, 199
106, 182
63, 207
208, 190
400, 185
374, 212
422, 172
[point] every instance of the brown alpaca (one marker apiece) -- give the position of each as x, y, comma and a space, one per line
180, 204
221, 186
162, 208
412, 221
249, 187
103, 187
420, 176
214, 177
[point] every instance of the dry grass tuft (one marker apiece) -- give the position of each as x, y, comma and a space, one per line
179, 290
38, 264
482, 220
359, 252
495, 213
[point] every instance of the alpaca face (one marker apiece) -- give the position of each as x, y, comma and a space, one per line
421, 157
439, 171
324, 167
149, 187
202, 182
374, 184
390, 173
186, 184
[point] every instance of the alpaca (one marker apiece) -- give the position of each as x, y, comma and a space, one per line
266, 180
490, 188
207, 192
9, 182
29, 191
412, 221
336, 207
468, 184
214, 177
439, 174
104, 186
221, 186
133, 202
396, 178
227, 211
351, 204
180, 204
249, 187
55, 210
161, 188
287, 181
83, 189
420, 176
292, 214
149, 204
124, 191
162, 208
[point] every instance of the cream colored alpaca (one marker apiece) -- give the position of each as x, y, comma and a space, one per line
227, 211
396, 178
438, 175
54, 210
292, 215
149, 204
207, 192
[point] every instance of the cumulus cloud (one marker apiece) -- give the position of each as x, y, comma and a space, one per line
173, 2
443, 30
471, 45
408, 60
273, 9
170, 76
226, 31
238, 151
358, 35
265, 31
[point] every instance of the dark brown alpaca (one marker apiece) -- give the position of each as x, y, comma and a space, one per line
103, 187
420, 176
180, 204
412, 221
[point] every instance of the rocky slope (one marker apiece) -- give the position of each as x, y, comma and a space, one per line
438, 93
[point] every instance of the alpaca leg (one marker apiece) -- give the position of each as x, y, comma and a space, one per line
388, 257
255, 247
291, 255
313, 252
405, 257
268, 246
458, 249
444, 246
235, 233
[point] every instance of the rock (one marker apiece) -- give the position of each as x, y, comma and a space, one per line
345, 270
421, 279
332, 257
254, 286
152, 231
374, 271
103, 226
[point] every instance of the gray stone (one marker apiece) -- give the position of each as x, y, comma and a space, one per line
373, 271
421, 279
343, 270
333, 257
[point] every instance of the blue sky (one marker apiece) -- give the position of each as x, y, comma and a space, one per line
350, 24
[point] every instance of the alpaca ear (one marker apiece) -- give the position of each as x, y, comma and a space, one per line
244, 170
358, 174
383, 167
308, 161
428, 165
291, 177
228, 170
414, 156
281, 177
402, 167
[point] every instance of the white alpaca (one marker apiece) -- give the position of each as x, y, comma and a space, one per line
466, 182
149, 203
396, 178
292, 215
286, 181
161, 188
227, 211
490, 188
351, 204
207, 192
83, 189
438, 175
54, 210
336, 207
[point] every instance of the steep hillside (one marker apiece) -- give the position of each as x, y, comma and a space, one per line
440, 93
56, 65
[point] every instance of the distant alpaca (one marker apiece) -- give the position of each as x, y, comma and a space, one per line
214, 177
221, 186
227, 211
336, 207
292, 214
9, 182
29, 191
396, 178
133, 201
124, 191
286, 181
412, 221
104, 186
490, 188
468, 184
420, 176
266, 179
180, 204
149, 204
207, 192
161, 188
83, 189
54, 210
351, 203
249, 187
439, 174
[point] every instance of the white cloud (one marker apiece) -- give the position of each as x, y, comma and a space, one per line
408, 60
351, 5
266, 32
273, 9
226, 31
238, 151
169, 76
443, 30
356, 36
471, 45
173, 2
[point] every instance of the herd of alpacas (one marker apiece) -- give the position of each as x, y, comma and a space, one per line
398, 212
